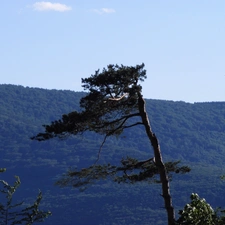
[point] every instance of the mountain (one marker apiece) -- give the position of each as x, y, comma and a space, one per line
192, 133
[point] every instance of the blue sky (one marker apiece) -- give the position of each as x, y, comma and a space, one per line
54, 44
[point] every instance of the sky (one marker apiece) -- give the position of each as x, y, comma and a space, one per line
53, 44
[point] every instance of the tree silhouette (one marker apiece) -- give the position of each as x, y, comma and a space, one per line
115, 103
14, 213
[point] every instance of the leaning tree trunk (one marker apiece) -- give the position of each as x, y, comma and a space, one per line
158, 161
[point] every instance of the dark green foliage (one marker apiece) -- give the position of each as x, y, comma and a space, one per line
130, 171
112, 83
110, 102
13, 213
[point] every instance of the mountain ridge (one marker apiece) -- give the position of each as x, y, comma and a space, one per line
191, 132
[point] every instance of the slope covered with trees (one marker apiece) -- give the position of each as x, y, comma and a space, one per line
193, 133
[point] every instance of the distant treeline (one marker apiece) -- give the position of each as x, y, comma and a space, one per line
192, 133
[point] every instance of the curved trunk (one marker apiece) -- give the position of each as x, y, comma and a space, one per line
158, 161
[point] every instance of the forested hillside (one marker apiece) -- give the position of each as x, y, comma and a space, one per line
192, 133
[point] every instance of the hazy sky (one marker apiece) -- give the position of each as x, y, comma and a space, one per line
53, 44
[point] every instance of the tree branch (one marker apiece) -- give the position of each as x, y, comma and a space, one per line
117, 120
108, 134
119, 98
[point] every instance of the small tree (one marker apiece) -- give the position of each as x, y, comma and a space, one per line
199, 212
11, 214
115, 103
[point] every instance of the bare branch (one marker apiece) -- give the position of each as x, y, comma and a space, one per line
100, 149
113, 131
117, 120
132, 125
117, 99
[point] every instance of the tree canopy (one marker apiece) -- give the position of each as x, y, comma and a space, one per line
199, 212
111, 101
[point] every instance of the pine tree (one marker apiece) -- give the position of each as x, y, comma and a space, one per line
115, 103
